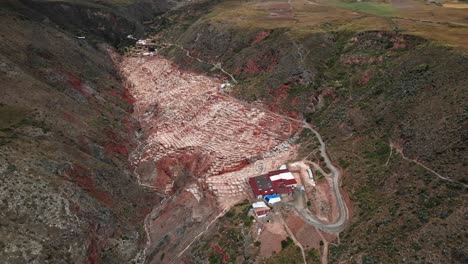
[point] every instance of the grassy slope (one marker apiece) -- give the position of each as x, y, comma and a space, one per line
406, 100
430, 21
377, 9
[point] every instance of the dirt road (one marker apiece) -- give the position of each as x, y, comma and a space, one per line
293, 237
334, 176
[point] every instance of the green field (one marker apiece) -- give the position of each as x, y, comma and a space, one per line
376, 9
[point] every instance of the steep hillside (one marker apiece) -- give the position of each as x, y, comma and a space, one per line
109, 20
67, 191
392, 107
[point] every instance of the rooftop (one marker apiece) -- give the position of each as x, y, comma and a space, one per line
263, 183
283, 174
260, 204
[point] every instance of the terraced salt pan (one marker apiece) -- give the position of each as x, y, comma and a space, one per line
233, 187
182, 112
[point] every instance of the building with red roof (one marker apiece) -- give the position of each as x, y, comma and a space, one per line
260, 209
274, 182
261, 186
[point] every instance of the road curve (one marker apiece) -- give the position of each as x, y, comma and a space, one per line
340, 223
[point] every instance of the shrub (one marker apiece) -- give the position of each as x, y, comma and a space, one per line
286, 243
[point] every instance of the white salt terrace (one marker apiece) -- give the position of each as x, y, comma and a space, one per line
183, 112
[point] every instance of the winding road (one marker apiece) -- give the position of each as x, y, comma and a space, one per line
340, 223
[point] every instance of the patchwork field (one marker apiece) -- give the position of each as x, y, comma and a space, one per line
445, 24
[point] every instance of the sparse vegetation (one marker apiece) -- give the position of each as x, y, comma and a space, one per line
229, 241
377, 9
289, 254
313, 256
11, 116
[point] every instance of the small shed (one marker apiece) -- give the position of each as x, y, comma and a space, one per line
259, 204
260, 209
272, 199
311, 176
261, 212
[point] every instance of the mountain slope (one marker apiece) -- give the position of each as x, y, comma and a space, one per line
67, 191
391, 106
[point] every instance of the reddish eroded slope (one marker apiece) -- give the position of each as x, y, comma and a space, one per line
183, 114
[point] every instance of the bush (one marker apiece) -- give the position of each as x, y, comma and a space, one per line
213, 258
248, 220
286, 243
313, 256
230, 214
